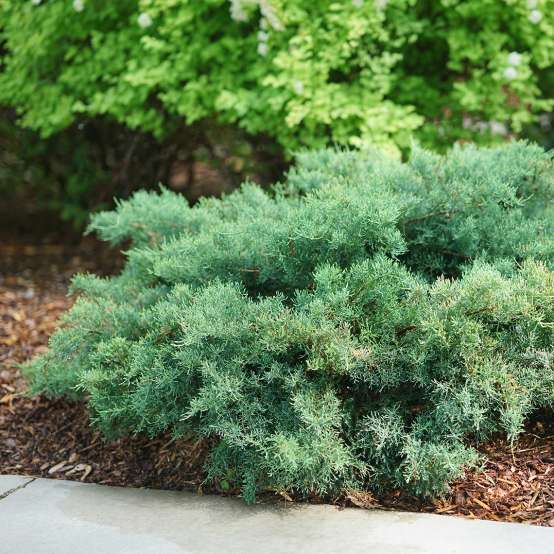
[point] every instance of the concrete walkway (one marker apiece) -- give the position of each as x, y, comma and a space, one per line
57, 517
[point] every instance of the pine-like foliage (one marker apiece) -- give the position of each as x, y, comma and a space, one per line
364, 324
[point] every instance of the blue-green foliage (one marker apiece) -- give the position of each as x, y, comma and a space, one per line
360, 325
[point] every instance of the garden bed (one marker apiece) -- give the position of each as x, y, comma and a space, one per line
53, 438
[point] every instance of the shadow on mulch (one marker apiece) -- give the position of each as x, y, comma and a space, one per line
52, 438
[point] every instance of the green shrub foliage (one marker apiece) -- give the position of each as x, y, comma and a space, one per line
364, 324
305, 73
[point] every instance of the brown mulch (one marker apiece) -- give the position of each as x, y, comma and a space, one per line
52, 438
515, 484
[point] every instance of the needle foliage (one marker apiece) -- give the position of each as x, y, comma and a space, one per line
366, 323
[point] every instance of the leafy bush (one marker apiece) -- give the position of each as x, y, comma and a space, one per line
364, 324
307, 74
130, 93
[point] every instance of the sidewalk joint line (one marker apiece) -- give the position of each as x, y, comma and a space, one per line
15, 489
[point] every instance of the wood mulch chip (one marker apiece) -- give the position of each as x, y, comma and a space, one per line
514, 484
52, 438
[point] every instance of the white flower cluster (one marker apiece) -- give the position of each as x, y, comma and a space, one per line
144, 20
298, 86
263, 37
238, 13
494, 127
266, 25
269, 15
514, 59
268, 21
379, 4
535, 15
78, 5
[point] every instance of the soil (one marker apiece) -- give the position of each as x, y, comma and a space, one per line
53, 438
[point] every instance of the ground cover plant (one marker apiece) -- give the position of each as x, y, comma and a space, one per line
362, 325
39, 434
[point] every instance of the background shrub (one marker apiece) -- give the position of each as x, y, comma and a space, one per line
160, 84
364, 324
